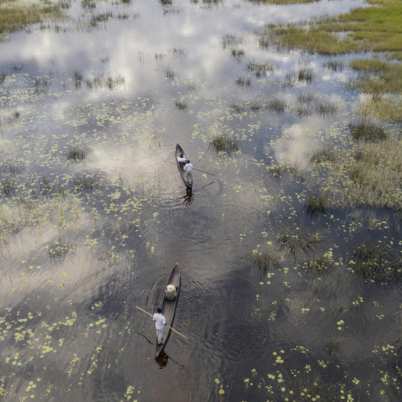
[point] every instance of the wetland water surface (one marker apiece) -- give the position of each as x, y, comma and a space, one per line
93, 215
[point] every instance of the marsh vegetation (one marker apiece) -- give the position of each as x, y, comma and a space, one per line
293, 234
15, 15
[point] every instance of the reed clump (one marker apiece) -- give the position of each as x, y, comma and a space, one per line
8, 186
260, 69
77, 154
323, 156
59, 249
320, 264
281, 170
88, 4
264, 261
277, 105
365, 131
316, 204
180, 105
334, 65
294, 243
305, 75
224, 143
100, 18
85, 182
243, 82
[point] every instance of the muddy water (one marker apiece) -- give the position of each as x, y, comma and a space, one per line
94, 216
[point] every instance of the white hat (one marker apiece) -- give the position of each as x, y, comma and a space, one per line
170, 288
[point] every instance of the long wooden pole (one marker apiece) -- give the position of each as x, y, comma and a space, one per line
173, 329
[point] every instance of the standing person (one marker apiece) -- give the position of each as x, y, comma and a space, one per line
188, 167
182, 160
160, 323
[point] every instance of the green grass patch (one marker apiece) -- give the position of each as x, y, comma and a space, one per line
369, 65
386, 79
377, 28
15, 15
313, 39
283, 2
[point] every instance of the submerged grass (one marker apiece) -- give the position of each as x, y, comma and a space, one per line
376, 263
320, 264
386, 78
15, 15
264, 261
294, 243
367, 175
59, 249
384, 108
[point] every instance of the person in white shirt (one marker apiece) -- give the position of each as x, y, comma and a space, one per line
188, 167
182, 160
160, 323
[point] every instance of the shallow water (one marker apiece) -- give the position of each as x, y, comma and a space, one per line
94, 214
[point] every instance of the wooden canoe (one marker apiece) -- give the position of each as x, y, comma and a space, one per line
187, 179
169, 308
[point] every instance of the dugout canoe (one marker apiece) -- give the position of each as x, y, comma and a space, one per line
187, 178
169, 307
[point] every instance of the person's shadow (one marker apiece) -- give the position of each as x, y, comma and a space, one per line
162, 359
188, 198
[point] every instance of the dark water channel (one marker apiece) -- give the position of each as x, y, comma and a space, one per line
93, 215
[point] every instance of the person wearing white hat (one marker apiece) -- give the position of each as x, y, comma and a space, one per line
160, 323
188, 167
